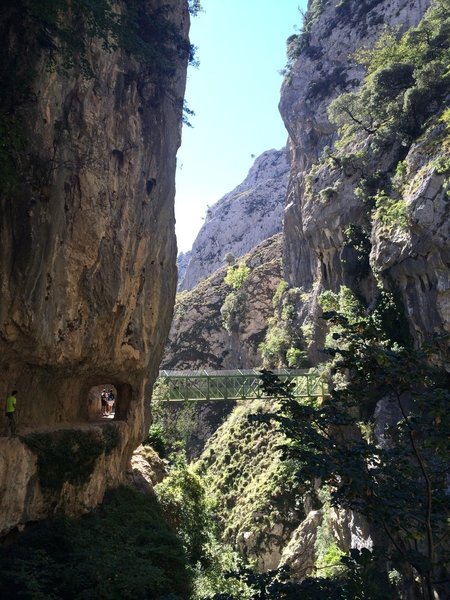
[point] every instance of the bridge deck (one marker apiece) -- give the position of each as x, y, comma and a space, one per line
195, 386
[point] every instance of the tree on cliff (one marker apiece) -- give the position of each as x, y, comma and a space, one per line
394, 475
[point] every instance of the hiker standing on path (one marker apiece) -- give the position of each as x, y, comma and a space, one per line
10, 413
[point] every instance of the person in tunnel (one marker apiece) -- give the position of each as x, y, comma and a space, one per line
104, 399
111, 402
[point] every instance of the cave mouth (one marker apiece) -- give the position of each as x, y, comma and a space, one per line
102, 402
108, 401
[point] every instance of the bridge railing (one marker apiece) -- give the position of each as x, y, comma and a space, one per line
195, 386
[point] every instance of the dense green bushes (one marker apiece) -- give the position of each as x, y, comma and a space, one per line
233, 305
285, 342
65, 30
406, 80
124, 550
396, 479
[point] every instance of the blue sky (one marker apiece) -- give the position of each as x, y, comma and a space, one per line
234, 94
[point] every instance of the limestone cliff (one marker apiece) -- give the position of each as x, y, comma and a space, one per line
243, 218
199, 339
87, 258
328, 196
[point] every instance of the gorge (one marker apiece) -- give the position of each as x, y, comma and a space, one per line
332, 254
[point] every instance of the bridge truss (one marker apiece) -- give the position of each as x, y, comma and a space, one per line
206, 385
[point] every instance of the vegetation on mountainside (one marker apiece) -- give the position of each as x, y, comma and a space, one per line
252, 488
63, 33
407, 84
189, 508
123, 550
66, 29
171, 429
395, 478
233, 304
406, 81
285, 344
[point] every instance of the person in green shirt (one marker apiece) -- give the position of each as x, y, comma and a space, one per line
10, 413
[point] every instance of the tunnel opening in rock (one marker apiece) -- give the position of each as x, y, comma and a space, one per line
108, 401
102, 402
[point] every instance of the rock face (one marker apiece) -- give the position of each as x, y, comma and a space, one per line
198, 338
322, 202
87, 259
242, 219
183, 259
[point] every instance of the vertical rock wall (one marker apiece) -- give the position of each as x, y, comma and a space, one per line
87, 252
414, 262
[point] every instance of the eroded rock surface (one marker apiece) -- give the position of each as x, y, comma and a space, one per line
87, 256
321, 201
198, 338
243, 218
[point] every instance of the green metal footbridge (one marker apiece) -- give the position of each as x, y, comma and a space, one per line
206, 385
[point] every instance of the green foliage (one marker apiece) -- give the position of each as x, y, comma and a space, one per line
250, 487
330, 562
360, 579
65, 30
183, 501
124, 550
237, 275
157, 439
276, 344
219, 578
398, 481
68, 454
391, 213
282, 288
296, 357
406, 77
285, 343
230, 310
171, 427
233, 304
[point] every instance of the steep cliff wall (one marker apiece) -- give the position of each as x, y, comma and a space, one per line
243, 218
331, 193
87, 258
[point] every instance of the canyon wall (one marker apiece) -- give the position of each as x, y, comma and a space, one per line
199, 339
368, 211
324, 198
243, 218
87, 257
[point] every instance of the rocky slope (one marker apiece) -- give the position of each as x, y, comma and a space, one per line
198, 338
242, 219
87, 260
